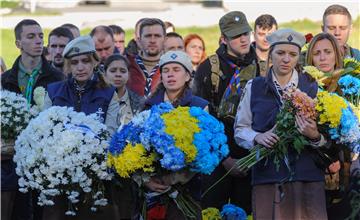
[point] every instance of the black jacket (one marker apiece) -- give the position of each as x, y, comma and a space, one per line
9, 81
203, 88
48, 74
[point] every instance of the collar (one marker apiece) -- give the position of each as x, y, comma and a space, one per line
293, 82
24, 72
125, 97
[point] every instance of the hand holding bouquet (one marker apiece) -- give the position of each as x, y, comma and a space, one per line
164, 142
286, 133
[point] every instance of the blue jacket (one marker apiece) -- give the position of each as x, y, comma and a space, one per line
188, 99
265, 104
92, 100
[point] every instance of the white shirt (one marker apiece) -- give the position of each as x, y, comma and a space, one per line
125, 113
243, 133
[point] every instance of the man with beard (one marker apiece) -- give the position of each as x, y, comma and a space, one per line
220, 80
144, 74
264, 25
58, 38
30, 70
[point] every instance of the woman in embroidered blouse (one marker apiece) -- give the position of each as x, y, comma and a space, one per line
295, 190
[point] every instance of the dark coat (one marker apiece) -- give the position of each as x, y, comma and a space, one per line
9, 81
203, 88
48, 74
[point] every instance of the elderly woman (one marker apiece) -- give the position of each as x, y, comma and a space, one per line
175, 69
86, 89
296, 189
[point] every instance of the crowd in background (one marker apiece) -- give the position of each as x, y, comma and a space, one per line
241, 85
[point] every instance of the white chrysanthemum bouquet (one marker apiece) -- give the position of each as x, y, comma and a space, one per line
15, 116
63, 152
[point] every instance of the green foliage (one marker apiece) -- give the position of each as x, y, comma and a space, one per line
9, 4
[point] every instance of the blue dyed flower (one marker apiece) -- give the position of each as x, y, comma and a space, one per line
230, 211
348, 121
349, 85
173, 159
210, 142
128, 133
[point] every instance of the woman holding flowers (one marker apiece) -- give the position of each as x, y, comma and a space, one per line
175, 68
324, 54
117, 73
293, 187
86, 91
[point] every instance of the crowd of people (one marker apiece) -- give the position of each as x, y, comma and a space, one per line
241, 85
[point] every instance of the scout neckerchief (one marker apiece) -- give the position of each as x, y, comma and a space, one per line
234, 84
291, 84
148, 76
30, 84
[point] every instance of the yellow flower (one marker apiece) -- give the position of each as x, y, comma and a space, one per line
353, 63
211, 214
330, 108
182, 126
132, 159
315, 73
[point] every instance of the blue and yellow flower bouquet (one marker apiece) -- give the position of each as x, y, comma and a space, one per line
166, 140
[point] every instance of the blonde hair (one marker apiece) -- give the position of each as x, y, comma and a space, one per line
102, 83
309, 59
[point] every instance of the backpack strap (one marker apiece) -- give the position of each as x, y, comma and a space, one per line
216, 73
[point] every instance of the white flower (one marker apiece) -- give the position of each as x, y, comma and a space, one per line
70, 213
39, 97
62, 151
15, 114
